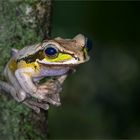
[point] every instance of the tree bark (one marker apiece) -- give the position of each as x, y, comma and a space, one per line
22, 22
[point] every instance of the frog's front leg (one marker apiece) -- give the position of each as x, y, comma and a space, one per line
24, 76
55, 87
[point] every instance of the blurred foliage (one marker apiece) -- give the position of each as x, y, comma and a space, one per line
100, 100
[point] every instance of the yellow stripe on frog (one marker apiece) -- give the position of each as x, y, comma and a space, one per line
59, 58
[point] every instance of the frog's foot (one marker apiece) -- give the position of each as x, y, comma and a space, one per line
53, 99
50, 87
49, 92
36, 106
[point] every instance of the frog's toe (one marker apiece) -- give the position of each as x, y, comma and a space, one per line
37, 110
43, 106
53, 99
33, 107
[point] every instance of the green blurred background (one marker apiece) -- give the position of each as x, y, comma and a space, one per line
101, 100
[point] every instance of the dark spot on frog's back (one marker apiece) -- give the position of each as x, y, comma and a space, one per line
32, 58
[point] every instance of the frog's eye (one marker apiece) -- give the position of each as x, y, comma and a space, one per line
88, 44
51, 51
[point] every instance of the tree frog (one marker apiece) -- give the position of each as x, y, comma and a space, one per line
53, 58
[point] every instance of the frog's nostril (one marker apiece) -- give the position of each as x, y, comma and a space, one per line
77, 58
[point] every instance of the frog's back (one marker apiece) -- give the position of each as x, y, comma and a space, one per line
27, 51
12, 65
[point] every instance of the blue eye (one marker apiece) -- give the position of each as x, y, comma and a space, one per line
88, 44
51, 51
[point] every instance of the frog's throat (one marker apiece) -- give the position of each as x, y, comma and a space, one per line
53, 72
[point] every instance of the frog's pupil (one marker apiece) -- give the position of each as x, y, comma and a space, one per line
88, 44
50, 51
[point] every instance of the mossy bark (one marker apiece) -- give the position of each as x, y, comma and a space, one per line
22, 22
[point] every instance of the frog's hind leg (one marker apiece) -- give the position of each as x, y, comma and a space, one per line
31, 104
19, 94
6, 87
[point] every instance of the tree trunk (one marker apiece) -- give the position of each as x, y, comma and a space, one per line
22, 22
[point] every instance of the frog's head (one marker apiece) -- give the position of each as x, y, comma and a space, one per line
65, 51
